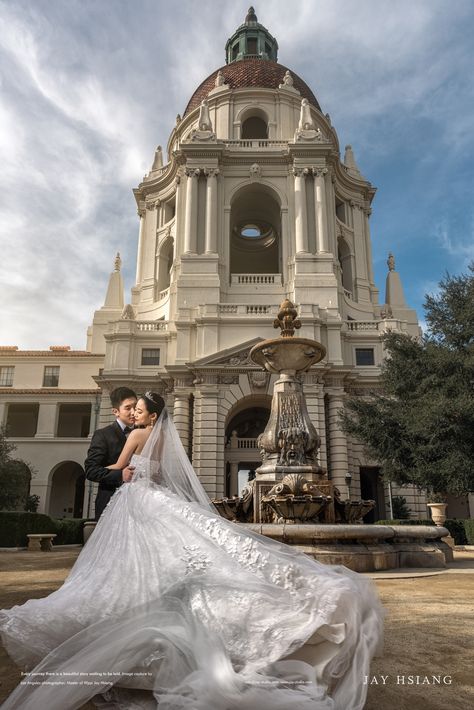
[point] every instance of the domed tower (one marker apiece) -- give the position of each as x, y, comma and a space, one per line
249, 204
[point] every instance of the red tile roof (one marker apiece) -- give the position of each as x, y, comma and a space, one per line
259, 73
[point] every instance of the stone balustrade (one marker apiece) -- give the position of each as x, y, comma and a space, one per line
256, 279
150, 326
256, 143
246, 309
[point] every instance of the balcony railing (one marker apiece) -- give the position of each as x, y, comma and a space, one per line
376, 326
256, 279
238, 442
362, 325
145, 326
256, 143
246, 309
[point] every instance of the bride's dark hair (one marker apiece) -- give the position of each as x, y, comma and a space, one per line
154, 402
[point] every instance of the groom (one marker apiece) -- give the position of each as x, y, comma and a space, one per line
106, 447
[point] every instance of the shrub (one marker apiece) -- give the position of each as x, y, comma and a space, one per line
15, 526
469, 530
400, 507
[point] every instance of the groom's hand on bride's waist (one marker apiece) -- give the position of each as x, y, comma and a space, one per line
127, 474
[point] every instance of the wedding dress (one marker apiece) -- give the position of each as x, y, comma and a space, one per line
171, 606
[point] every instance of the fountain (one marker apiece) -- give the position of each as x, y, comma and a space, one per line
292, 499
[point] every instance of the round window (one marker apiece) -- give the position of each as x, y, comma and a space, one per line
251, 231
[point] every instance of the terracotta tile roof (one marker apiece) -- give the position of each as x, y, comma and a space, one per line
8, 352
47, 390
251, 72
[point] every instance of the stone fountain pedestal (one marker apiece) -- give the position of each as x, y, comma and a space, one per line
293, 501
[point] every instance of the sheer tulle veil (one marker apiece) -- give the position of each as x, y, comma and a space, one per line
169, 464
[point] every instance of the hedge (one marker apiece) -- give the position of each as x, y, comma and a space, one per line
16, 525
461, 530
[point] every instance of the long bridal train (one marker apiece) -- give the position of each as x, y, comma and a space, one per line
171, 605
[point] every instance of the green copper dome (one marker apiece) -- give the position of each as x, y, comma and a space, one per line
251, 41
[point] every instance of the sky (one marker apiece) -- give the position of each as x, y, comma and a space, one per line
89, 88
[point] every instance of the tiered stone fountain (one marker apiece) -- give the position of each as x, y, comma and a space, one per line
292, 500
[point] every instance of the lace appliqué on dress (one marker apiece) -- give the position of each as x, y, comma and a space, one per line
194, 559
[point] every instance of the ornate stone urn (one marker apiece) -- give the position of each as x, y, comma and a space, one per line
438, 513
290, 442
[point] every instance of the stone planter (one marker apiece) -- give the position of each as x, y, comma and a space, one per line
88, 529
438, 513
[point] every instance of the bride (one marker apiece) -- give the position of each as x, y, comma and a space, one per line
171, 606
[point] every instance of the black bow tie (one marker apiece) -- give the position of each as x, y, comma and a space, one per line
127, 430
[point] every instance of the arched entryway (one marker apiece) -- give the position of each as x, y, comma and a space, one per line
255, 238
245, 421
67, 490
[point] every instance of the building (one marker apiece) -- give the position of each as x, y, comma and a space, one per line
250, 203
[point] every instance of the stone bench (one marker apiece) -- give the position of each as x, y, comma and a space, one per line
40, 542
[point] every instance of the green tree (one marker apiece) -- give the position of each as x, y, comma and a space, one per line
420, 424
15, 477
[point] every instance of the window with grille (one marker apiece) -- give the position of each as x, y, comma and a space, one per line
365, 356
6, 376
150, 356
51, 376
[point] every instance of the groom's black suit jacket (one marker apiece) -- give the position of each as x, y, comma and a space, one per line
105, 449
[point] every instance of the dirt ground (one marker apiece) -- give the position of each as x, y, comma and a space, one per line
428, 630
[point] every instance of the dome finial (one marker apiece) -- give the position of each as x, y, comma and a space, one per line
251, 16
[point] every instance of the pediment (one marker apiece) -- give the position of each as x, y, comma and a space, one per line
237, 356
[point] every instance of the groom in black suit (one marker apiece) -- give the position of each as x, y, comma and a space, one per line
106, 447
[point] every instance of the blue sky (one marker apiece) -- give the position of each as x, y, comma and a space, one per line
89, 88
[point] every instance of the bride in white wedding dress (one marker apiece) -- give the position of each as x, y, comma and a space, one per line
171, 606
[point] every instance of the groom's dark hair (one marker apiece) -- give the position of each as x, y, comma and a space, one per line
118, 395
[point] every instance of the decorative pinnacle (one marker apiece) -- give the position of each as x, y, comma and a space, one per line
287, 320
118, 262
251, 16
391, 262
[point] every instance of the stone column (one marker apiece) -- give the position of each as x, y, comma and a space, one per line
338, 463
320, 215
323, 450
46, 420
234, 479
3, 408
211, 210
368, 245
181, 417
301, 222
141, 237
190, 218
208, 439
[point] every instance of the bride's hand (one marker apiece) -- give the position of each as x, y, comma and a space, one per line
127, 474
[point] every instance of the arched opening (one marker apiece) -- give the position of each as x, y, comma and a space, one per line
67, 490
165, 264
345, 262
254, 127
245, 422
255, 223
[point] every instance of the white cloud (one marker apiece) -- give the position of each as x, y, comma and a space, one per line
89, 90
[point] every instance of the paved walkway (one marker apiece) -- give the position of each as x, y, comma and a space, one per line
428, 628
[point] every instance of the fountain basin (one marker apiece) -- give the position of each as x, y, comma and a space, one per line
364, 548
287, 355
